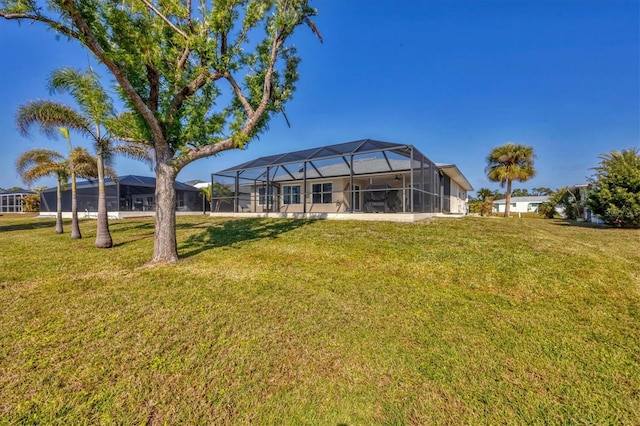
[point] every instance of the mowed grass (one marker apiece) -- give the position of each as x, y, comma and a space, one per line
456, 321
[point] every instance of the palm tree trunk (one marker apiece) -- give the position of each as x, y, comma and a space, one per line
75, 227
103, 236
165, 247
59, 229
507, 203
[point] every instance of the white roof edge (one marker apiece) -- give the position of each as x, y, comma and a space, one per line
454, 173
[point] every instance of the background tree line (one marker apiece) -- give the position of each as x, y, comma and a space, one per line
612, 193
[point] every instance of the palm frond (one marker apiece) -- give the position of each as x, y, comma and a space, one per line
86, 90
48, 116
38, 163
111, 173
84, 164
314, 28
134, 151
34, 156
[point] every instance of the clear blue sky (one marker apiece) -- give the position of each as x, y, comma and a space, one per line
454, 78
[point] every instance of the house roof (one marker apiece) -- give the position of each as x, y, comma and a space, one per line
131, 180
454, 173
362, 146
201, 185
23, 192
361, 165
528, 199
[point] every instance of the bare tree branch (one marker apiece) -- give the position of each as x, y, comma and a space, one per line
41, 18
192, 88
165, 19
252, 119
203, 152
183, 59
87, 37
238, 92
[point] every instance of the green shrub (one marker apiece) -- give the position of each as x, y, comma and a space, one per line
615, 194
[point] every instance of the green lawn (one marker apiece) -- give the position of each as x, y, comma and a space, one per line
457, 321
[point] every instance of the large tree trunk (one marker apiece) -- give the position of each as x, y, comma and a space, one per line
507, 204
165, 248
103, 236
59, 229
75, 227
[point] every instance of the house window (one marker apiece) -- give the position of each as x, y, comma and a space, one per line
322, 193
291, 194
262, 198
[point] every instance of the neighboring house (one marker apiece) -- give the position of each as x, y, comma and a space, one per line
365, 176
221, 203
587, 214
126, 196
11, 201
529, 204
198, 183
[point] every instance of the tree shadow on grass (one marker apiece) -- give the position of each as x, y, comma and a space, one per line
581, 224
124, 227
39, 224
130, 226
232, 232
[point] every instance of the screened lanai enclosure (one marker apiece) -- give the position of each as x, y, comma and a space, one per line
11, 201
366, 176
125, 194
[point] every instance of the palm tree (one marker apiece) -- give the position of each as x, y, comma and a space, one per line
486, 201
508, 163
485, 193
206, 197
221, 192
96, 114
38, 163
73, 164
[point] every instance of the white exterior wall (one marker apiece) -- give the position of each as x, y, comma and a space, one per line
457, 199
518, 207
339, 198
341, 195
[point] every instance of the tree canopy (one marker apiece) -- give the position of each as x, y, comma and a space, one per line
615, 189
197, 79
566, 201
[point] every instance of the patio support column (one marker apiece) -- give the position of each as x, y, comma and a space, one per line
236, 188
422, 185
210, 193
266, 191
404, 193
353, 194
411, 183
255, 195
441, 180
304, 187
